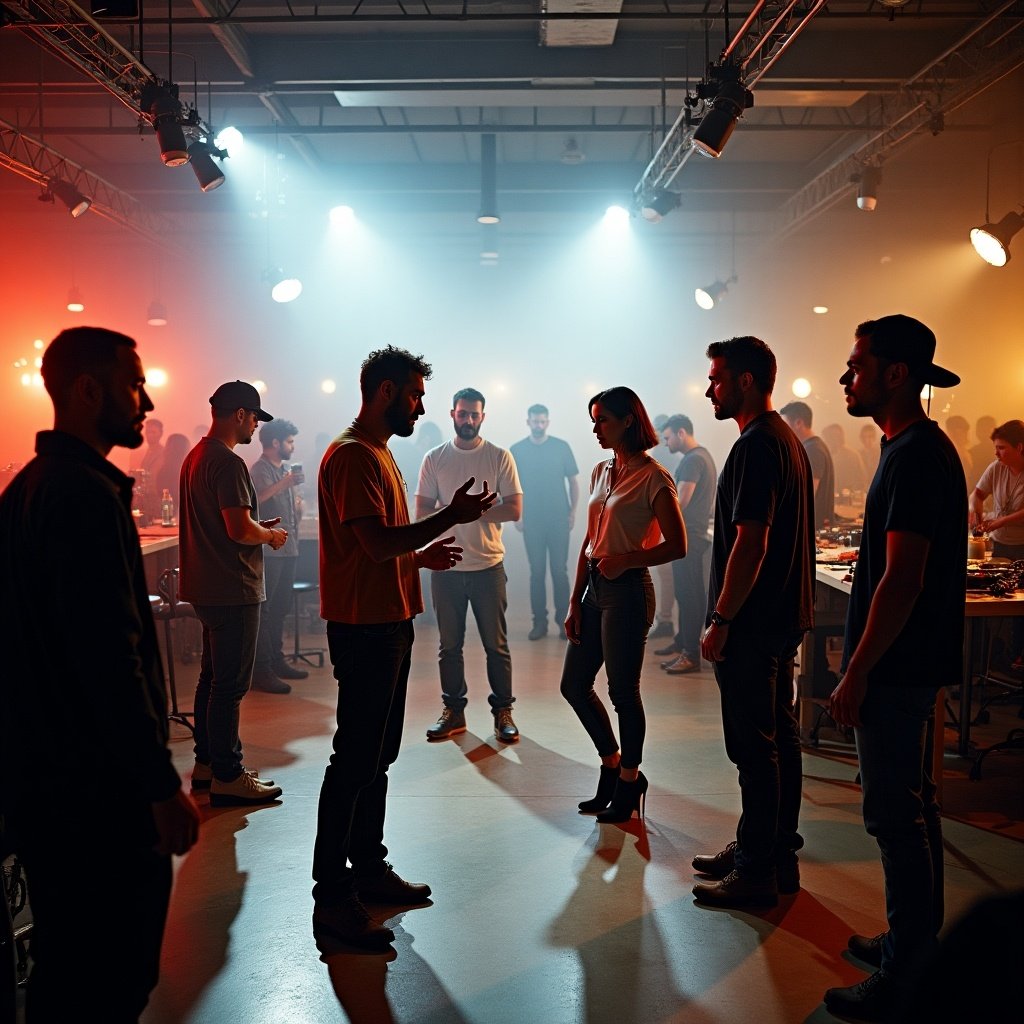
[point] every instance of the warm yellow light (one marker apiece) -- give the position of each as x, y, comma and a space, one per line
156, 378
820, 310
801, 387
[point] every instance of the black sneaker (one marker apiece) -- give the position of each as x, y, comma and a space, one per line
390, 887
873, 999
286, 671
718, 865
267, 682
867, 949
737, 891
349, 923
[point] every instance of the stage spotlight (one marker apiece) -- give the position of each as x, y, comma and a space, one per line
658, 203
616, 214
867, 188
992, 241
207, 173
709, 297
717, 125
76, 203
282, 287
231, 140
165, 110
341, 215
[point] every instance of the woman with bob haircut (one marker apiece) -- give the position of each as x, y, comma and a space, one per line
632, 504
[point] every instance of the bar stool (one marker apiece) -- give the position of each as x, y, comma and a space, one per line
166, 606
299, 654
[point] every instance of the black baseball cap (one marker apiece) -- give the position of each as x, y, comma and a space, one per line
238, 394
902, 339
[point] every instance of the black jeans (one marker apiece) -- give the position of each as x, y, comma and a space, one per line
279, 575
691, 589
762, 738
547, 542
371, 664
894, 747
229, 650
616, 616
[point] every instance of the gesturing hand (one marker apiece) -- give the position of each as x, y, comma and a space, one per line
440, 555
468, 508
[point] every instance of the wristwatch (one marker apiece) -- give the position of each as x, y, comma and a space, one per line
717, 620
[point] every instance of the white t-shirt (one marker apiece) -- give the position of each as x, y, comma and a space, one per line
445, 469
620, 515
1007, 490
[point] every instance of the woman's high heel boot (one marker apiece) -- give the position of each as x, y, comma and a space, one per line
605, 790
629, 797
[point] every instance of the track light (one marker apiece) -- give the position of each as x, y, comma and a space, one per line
717, 125
709, 297
488, 180
658, 203
282, 287
867, 187
76, 203
992, 241
164, 110
207, 173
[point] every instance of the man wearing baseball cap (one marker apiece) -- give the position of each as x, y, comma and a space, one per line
904, 642
221, 546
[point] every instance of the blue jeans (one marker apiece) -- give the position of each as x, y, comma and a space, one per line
229, 651
616, 616
278, 575
691, 590
484, 591
371, 664
762, 738
901, 811
547, 542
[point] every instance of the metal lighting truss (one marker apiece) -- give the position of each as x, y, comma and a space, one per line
39, 163
991, 50
767, 33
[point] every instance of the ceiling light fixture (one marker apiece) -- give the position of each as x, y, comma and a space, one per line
156, 315
208, 174
488, 180
282, 287
730, 98
75, 303
709, 297
991, 241
572, 154
867, 187
76, 203
164, 111
658, 203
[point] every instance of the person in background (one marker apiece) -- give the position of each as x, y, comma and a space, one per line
904, 642
800, 418
760, 603
696, 478
278, 497
981, 453
666, 591
958, 430
633, 522
86, 664
551, 490
1003, 479
169, 477
221, 544
869, 450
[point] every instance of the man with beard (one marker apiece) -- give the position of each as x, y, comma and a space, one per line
760, 603
904, 642
221, 545
479, 581
370, 590
545, 465
83, 662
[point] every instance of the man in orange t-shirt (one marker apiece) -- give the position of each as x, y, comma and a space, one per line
370, 557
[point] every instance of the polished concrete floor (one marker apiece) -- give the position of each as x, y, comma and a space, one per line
538, 914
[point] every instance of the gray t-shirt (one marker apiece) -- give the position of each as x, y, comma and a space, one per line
265, 474
1007, 490
215, 569
698, 468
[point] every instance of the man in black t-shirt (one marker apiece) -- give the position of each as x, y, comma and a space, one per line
904, 641
799, 417
696, 477
548, 475
760, 603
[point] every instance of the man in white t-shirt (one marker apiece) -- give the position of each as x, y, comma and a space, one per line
479, 579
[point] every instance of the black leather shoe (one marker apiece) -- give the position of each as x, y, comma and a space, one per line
718, 865
504, 728
737, 891
450, 723
669, 651
874, 999
390, 887
286, 671
349, 923
268, 683
867, 949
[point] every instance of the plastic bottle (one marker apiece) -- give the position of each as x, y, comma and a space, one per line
166, 509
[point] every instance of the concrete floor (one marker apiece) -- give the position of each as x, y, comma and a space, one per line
538, 914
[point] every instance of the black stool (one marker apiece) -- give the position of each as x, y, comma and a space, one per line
298, 654
166, 607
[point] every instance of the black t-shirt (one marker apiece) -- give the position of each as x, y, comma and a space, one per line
767, 479
919, 487
543, 471
698, 468
822, 471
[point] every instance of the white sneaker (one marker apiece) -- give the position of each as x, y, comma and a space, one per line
246, 789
